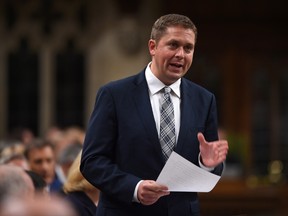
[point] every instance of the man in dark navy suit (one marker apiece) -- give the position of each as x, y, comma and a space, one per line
122, 153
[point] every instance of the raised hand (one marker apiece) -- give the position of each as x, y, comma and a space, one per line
212, 153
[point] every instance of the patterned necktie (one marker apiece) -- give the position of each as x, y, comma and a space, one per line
167, 124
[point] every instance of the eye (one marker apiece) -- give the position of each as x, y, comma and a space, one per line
38, 161
49, 160
188, 49
173, 45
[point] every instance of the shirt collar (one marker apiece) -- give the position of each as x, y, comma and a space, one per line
155, 85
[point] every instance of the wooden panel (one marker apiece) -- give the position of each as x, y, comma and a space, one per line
234, 197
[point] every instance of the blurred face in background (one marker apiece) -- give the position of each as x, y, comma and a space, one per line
43, 162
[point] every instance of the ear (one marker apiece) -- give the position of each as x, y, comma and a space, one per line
152, 46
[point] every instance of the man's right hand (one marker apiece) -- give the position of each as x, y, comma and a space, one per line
149, 192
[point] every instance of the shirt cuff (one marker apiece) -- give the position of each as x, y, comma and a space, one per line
135, 197
209, 169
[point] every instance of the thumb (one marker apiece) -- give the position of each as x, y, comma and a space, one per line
201, 138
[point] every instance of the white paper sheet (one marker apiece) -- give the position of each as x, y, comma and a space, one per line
181, 175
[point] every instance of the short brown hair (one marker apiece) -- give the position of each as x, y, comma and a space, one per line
37, 144
160, 26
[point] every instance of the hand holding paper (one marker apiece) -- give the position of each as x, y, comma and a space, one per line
180, 174
150, 191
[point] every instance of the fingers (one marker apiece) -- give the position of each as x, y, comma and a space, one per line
222, 146
222, 150
149, 192
219, 145
212, 153
201, 138
153, 186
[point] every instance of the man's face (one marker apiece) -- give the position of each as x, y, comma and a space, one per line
42, 161
172, 55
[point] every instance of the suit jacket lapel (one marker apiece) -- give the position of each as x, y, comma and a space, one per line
142, 101
187, 115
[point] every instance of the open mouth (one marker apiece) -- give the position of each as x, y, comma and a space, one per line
177, 65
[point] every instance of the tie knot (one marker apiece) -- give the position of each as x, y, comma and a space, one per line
167, 89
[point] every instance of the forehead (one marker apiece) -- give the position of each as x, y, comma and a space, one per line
43, 151
179, 33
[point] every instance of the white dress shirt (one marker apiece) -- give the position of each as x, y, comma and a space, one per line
155, 86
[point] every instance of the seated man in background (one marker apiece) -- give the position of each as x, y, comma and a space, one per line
18, 196
14, 183
41, 159
12, 152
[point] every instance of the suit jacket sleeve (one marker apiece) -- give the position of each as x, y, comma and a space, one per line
98, 158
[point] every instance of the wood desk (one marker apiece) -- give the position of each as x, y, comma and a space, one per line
234, 197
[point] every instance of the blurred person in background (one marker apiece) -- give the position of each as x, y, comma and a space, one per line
19, 197
67, 143
12, 152
40, 206
65, 159
50, 206
41, 159
75, 134
23, 134
63, 137
79, 192
57, 137
15, 184
38, 182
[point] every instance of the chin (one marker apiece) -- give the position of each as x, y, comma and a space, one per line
176, 76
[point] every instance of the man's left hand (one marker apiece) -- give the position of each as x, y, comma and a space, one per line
212, 153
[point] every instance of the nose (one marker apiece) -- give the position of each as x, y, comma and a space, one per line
45, 166
180, 52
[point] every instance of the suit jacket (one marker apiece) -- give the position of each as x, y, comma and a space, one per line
121, 146
56, 185
82, 204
